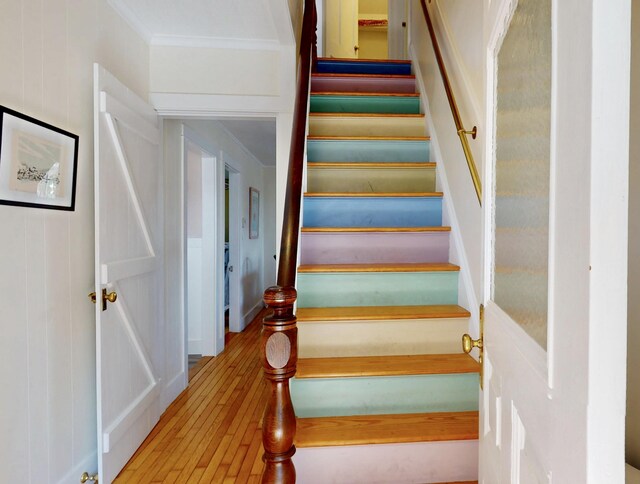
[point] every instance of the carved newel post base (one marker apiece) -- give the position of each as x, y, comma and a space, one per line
279, 359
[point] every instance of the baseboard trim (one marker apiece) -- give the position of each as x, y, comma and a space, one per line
252, 313
195, 347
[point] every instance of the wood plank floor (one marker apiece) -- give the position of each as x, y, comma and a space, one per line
211, 433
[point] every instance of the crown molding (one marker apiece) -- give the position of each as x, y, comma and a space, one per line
121, 7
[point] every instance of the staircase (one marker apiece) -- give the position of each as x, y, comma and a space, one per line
382, 393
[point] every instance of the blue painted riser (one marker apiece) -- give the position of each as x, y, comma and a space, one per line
367, 150
360, 67
372, 212
340, 289
326, 397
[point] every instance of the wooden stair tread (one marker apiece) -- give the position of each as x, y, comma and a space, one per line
403, 267
370, 164
357, 76
381, 313
373, 194
386, 429
366, 115
368, 138
396, 163
376, 61
371, 94
376, 229
362, 366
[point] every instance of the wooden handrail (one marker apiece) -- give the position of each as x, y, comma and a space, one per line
279, 329
462, 133
291, 220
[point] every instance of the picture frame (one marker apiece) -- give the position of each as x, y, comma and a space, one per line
38, 163
254, 213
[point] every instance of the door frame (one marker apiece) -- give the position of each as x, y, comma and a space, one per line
212, 334
235, 245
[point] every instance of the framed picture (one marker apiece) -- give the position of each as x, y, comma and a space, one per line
254, 213
38, 163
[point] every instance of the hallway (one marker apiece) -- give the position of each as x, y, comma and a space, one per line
211, 433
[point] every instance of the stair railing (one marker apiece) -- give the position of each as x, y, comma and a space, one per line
462, 133
279, 329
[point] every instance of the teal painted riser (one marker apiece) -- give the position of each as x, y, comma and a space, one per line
365, 104
372, 211
341, 289
368, 150
334, 397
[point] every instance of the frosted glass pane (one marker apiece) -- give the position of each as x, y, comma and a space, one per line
521, 243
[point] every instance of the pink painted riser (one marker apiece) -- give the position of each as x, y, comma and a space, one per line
374, 247
358, 84
422, 462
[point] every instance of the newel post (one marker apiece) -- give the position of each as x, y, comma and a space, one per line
279, 360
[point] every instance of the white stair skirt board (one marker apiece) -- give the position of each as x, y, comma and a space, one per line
632, 475
421, 462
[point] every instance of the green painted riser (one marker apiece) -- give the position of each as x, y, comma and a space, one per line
367, 150
377, 289
374, 180
365, 104
325, 397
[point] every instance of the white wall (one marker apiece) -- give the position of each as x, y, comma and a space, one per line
205, 70
461, 208
47, 376
633, 307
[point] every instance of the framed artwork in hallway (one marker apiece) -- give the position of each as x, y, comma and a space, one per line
254, 213
38, 163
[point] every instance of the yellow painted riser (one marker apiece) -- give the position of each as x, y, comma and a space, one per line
366, 126
377, 338
358, 180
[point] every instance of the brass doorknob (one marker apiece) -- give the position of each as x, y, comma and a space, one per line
86, 477
106, 297
468, 343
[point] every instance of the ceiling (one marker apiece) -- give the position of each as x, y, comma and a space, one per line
173, 21
258, 135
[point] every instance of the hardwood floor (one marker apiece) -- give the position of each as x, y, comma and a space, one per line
211, 433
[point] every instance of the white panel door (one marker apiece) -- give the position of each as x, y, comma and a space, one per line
397, 36
552, 407
129, 263
341, 23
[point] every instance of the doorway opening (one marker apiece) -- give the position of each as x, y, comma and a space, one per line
365, 29
225, 269
201, 240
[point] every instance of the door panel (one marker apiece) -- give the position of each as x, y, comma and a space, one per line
341, 21
558, 415
128, 210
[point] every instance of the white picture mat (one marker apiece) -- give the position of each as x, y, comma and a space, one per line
10, 124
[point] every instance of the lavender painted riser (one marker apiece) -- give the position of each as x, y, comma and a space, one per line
404, 463
374, 247
362, 84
